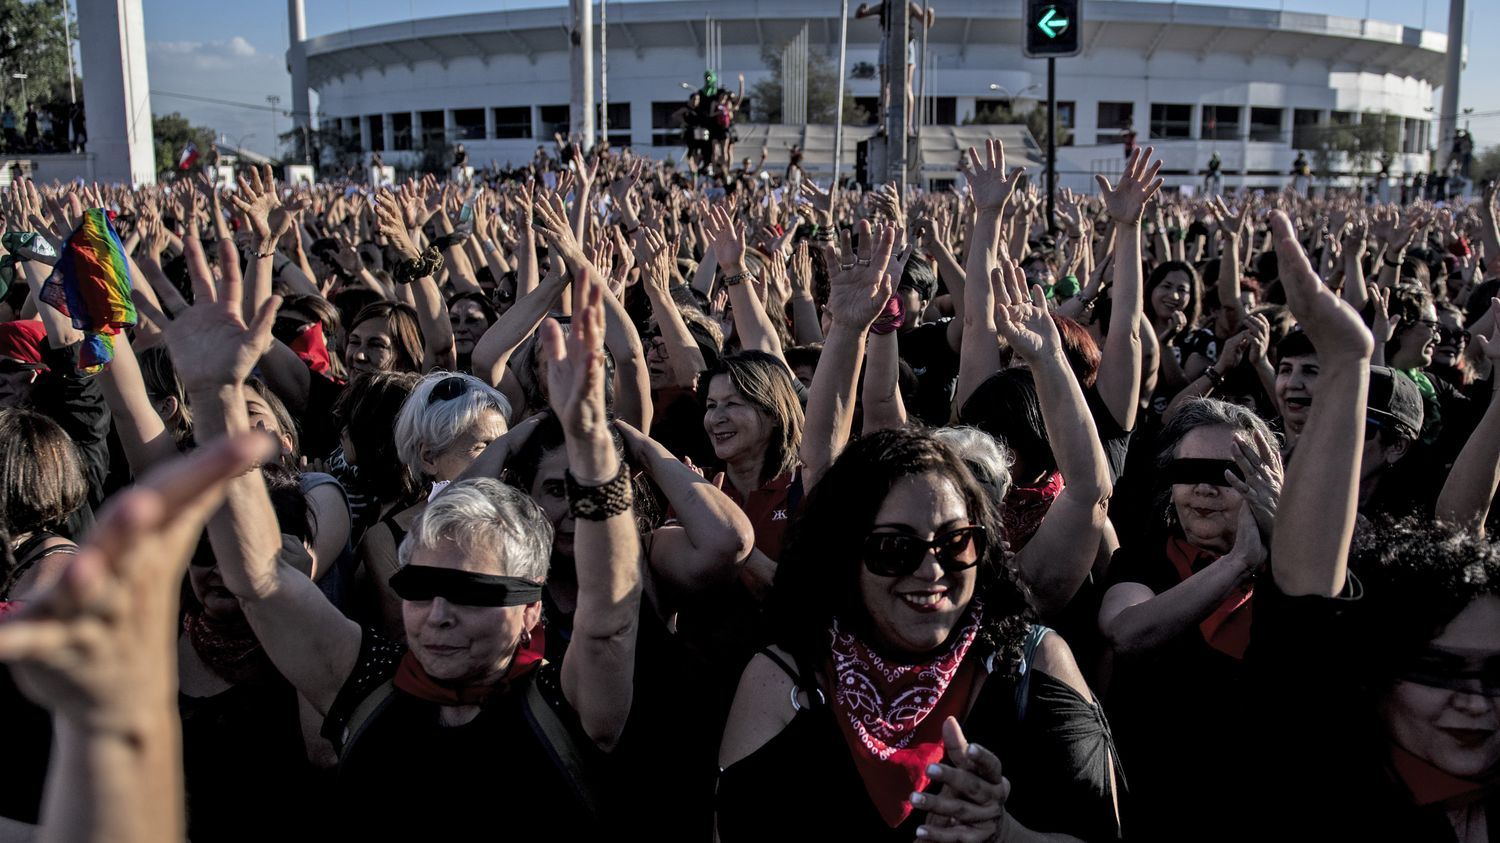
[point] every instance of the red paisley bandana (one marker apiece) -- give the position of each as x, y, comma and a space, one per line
411, 678
892, 714
1026, 506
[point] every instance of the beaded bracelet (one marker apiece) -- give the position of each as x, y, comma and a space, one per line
411, 269
737, 279
599, 503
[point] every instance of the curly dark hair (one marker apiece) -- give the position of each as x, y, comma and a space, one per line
1417, 575
816, 578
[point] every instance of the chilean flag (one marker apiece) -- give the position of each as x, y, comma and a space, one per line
189, 157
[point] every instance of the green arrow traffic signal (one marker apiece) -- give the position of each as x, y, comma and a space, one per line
1050, 24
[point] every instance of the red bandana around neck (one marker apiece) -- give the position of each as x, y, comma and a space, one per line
1431, 786
312, 347
1228, 628
891, 715
230, 650
1026, 506
411, 678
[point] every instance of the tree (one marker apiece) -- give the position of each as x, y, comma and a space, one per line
1034, 118
32, 41
822, 88
1486, 166
1354, 148
171, 134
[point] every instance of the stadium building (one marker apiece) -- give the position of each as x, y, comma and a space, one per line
1253, 86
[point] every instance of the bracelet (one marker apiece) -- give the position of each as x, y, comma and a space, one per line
1214, 378
1396, 264
737, 279
409, 270
891, 317
602, 502
263, 255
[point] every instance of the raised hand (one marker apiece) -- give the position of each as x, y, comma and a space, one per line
391, 222
98, 648
256, 199
575, 374
726, 238
1260, 462
211, 344
859, 285
821, 200
988, 182
1126, 201
1023, 321
1332, 325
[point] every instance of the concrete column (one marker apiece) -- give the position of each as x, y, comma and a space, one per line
581, 65
388, 130
296, 64
536, 125
117, 90
416, 130
450, 127
489, 123
1448, 118
364, 133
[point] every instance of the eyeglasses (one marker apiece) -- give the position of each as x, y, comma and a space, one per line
447, 389
900, 554
1454, 336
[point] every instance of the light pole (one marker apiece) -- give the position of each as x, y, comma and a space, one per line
1008, 97
275, 142
68, 39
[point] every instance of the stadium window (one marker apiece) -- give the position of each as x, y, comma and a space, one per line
1114, 118
943, 111
434, 133
1305, 123
513, 122
401, 130
619, 123
1171, 120
1265, 124
871, 105
468, 123
1220, 122
377, 132
1341, 118
1415, 139
555, 119
666, 123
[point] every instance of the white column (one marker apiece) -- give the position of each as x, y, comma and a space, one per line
416, 130
450, 128
296, 63
117, 91
489, 123
388, 131
582, 71
364, 133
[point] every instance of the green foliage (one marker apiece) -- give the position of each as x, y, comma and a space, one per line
171, 133
822, 89
1486, 166
1034, 118
32, 42
1359, 146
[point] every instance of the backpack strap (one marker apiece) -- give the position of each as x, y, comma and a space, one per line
364, 714
560, 744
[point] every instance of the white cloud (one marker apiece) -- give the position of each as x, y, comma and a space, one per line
231, 70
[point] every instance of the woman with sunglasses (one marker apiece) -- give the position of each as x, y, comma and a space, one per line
1176, 615
444, 424
902, 634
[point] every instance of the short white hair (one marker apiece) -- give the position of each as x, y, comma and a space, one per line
432, 426
485, 517
983, 454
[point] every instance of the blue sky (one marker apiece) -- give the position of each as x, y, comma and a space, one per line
236, 51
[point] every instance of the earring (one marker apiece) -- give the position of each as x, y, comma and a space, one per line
526, 638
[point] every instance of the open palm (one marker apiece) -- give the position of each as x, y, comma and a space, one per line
1022, 320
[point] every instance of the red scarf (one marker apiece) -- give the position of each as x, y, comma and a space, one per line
312, 347
230, 650
891, 715
1228, 628
1026, 506
411, 678
1431, 786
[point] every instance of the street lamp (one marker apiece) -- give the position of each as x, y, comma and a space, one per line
1007, 96
274, 101
686, 86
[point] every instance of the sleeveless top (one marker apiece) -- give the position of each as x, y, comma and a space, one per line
338, 584
1054, 746
28, 554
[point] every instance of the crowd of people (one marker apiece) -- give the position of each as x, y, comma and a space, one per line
598, 498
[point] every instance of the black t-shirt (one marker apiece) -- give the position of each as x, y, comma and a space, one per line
925, 348
1115, 439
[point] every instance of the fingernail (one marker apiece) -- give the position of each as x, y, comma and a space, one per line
917, 798
934, 770
922, 831
973, 750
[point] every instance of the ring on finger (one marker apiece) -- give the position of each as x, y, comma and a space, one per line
862, 261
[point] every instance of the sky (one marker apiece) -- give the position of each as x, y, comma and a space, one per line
235, 52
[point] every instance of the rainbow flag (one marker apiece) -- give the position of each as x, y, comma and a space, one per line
91, 284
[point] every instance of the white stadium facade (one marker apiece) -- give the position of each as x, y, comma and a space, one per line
1251, 85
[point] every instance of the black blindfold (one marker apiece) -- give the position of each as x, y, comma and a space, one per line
465, 588
1195, 471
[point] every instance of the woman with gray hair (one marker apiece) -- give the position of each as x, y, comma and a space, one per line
1176, 615
466, 713
446, 421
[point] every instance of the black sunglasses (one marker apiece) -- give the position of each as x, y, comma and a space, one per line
447, 389
900, 554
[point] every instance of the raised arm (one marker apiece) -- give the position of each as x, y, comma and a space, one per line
991, 187
97, 650
1119, 381
599, 669
1315, 520
1058, 558
859, 286
684, 358
311, 643
1470, 488
726, 237
1355, 291
432, 314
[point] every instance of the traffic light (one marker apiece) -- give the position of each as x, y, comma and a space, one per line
1053, 28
